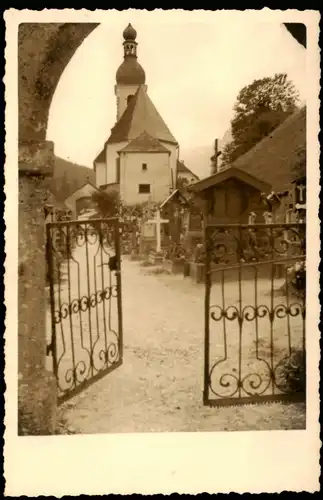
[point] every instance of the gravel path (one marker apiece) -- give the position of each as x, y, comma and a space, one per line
159, 386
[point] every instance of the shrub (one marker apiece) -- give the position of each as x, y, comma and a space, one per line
146, 263
296, 280
159, 270
106, 203
292, 373
199, 254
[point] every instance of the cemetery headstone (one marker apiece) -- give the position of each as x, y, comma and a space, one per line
252, 218
157, 221
268, 216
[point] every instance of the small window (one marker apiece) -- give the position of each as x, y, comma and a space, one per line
144, 167
129, 98
144, 188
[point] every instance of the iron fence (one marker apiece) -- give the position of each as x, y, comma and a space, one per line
255, 288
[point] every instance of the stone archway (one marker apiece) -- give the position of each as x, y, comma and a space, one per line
44, 50
298, 31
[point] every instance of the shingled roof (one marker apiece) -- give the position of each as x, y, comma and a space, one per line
145, 143
229, 173
181, 167
273, 159
140, 116
101, 157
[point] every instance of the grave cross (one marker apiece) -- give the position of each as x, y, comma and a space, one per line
301, 188
268, 216
158, 221
252, 218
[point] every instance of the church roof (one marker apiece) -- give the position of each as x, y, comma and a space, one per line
181, 167
140, 116
144, 143
130, 72
101, 157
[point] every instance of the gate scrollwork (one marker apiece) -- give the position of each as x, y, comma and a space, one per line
85, 301
255, 321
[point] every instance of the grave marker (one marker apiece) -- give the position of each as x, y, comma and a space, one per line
158, 221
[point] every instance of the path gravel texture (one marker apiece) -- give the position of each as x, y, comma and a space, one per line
159, 386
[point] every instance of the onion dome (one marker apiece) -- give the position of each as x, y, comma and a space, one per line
130, 34
130, 72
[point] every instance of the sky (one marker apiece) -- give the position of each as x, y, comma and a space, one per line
194, 72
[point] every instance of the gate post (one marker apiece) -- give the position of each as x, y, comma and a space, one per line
36, 386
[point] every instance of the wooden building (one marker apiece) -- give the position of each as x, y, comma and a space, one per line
229, 196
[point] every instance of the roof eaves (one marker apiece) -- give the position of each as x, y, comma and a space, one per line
81, 187
169, 198
223, 175
100, 156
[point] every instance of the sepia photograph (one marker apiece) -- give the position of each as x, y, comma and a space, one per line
162, 225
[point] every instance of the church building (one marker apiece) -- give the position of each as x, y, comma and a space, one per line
140, 158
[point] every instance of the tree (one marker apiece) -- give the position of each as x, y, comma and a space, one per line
259, 109
107, 202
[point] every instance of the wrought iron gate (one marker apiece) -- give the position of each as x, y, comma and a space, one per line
254, 313
83, 259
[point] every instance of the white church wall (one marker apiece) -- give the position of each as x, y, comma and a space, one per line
111, 157
100, 174
156, 174
172, 161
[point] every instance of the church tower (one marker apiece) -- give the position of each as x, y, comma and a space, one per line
140, 156
130, 75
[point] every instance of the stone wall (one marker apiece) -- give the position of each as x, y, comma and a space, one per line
36, 387
44, 50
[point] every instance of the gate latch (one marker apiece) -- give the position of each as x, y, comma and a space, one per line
113, 263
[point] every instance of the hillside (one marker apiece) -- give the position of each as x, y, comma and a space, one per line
68, 177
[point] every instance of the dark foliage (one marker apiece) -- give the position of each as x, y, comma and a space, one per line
259, 109
107, 203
